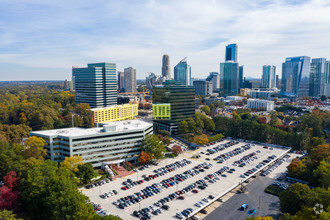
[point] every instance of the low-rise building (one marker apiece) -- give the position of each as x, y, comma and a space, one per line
113, 142
257, 104
115, 113
202, 87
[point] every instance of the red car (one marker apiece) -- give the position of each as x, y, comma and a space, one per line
195, 191
124, 188
181, 197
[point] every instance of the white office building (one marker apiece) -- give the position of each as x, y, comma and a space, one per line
257, 103
114, 142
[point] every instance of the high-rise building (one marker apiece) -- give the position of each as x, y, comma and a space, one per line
327, 78
68, 86
172, 104
182, 72
229, 78
96, 84
130, 79
268, 79
166, 67
214, 77
319, 77
202, 87
277, 82
121, 81
240, 76
295, 76
231, 52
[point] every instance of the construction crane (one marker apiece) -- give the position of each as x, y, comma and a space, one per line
143, 99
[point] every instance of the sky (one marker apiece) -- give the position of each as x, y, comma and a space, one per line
42, 40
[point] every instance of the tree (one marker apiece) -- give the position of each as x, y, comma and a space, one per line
191, 125
201, 139
216, 137
209, 124
177, 149
51, 192
319, 153
183, 127
260, 218
199, 122
322, 174
206, 109
315, 141
8, 215
34, 147
144, 157
72, 163
8, 198
153, 146
164, 133
85, 172
297, 168
294, 198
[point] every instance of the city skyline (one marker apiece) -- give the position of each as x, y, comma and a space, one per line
65, 34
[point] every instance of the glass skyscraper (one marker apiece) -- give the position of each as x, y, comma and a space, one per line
319, 77
182, 72
295, 76
268, 79
231, 53
240, 74
96, 84
229, 78
182, 105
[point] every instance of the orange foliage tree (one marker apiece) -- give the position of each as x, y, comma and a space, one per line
144, 157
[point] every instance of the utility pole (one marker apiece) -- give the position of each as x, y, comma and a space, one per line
72, 119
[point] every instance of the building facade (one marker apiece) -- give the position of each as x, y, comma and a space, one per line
68, 86
182, 73
229, 78
121, 81
319, 77
161, 111
182, 105
214, 77
113, 142
231, 53
295, 76
166, 73
240, 76
257, 104
96, 84
130, 79
115, 113
268, 79
203, 88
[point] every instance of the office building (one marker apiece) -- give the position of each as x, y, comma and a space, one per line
240, 76
114, 142
214, 77
115, 113
121, 81
268, 79
166, 67
229, 78
278, 82
231, 53
96, 84
180, 100
182, 73
203, 88
263, 93
295, 76
247, 84
257, 104
130, 79
319, 77
152, 80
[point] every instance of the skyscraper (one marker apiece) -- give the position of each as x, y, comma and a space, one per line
203, 87
121, 80
130, 79
231, 53
229, 78
319, 77
295, 76
96, 84
277, 82
268, 79
182, 72
214, 77
166, 67
240, 76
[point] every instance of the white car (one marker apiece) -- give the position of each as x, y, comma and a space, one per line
179, 215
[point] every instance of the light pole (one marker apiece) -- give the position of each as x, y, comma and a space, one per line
137, 175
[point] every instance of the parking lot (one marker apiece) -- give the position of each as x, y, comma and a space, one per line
218, 178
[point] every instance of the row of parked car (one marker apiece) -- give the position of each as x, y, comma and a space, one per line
269, 170
185, 213
223, 157
281, 185
130, 183
108, 194
204, 201
99, 183
221, 147
246, 159
99, 210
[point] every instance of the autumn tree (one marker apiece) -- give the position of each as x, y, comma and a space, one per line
8, 215
177, 149
72, 163
201, 139
34, 147
9, 193
144, 157
153, 146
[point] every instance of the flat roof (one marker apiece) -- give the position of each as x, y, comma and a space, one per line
78, 132
112, 106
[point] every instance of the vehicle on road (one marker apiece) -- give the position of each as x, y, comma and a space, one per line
244, 206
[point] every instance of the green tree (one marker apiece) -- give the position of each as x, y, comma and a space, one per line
209, 124
51, 192
206, 109
34, 147
191, 125
199, 122
8, 215
183, 127
85, 172
164, 133
216, 137
322, 174
153, 146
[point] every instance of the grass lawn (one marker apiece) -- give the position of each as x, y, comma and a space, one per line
274, 190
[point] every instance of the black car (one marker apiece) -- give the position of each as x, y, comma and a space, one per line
166, 207
203, 211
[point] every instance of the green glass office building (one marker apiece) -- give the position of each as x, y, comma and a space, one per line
182, 105
96, 84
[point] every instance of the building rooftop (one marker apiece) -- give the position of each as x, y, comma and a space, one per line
115, 126
112, 106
